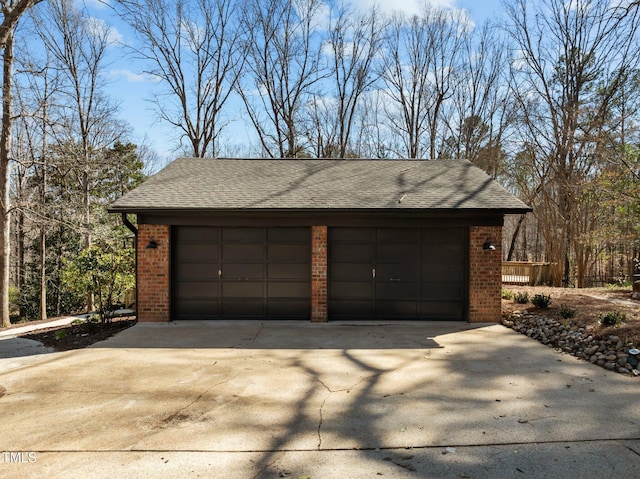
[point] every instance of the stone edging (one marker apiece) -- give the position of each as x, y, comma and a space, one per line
610, 353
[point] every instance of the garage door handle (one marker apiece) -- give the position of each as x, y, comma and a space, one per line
219, 273
394, 279
373, 273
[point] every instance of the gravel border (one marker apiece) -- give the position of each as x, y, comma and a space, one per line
611, 353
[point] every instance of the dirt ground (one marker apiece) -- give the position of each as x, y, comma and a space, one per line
77, 336
590, 304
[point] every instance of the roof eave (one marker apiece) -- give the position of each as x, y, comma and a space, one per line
320, 211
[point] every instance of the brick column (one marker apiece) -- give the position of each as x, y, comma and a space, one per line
319, 274
153, 276
485, 274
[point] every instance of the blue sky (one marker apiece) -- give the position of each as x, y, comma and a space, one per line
128, 87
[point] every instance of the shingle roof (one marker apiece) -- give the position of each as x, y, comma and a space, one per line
197, 184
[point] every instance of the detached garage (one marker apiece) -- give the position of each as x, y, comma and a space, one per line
319, 240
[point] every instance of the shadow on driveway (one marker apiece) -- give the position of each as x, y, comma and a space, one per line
278, 399
286, 335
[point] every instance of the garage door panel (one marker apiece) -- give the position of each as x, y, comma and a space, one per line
197, 290
244, 235
352, 290
198, 253
352, 253
288, 309
236, 271
198, 309
442, 258
243, 253
399, 252
243, 289
347, 309
449, 272
197, 234
397, 235
360, 235
445, 291
396, 290
288, 271
289, 253
286, 289
195, 272
239, 308
346, 271
452, 310
397, 272
396, 309
442, 235
289, 235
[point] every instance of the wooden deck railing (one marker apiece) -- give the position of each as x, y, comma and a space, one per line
523, 272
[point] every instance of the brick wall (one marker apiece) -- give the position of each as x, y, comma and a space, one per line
153, 273
319, 274
485, 274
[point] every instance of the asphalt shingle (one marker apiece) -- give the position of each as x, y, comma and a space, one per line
196, 184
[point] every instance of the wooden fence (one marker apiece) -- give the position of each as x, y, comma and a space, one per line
523, 272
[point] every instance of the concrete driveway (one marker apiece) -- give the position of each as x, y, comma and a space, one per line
293, 399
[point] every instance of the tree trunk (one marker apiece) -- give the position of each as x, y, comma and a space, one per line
5, 170
43, 273
514, 238
43, 205
87, 224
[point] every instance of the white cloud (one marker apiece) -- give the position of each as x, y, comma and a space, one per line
132, 77
98, 4
98, 27
409, 7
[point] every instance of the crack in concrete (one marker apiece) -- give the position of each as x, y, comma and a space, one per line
371, 448
251, 341
331, 392
321, 420
637, 453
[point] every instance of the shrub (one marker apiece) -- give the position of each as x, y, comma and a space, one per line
566, 312
506, 294
521, 298
104, 270
613, 318
541, 301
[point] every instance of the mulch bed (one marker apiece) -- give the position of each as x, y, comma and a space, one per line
77, 336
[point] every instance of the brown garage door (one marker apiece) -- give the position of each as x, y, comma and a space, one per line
222, 272
397, 273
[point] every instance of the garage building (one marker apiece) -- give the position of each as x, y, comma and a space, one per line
319, 240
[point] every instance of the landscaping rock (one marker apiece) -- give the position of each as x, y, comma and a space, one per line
611, 352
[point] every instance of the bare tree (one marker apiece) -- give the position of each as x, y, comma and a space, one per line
282, 41
353, 44
192, 48
78, 44
571, 64
12, 11
406, 76
36, 98
481, 106
421, 72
